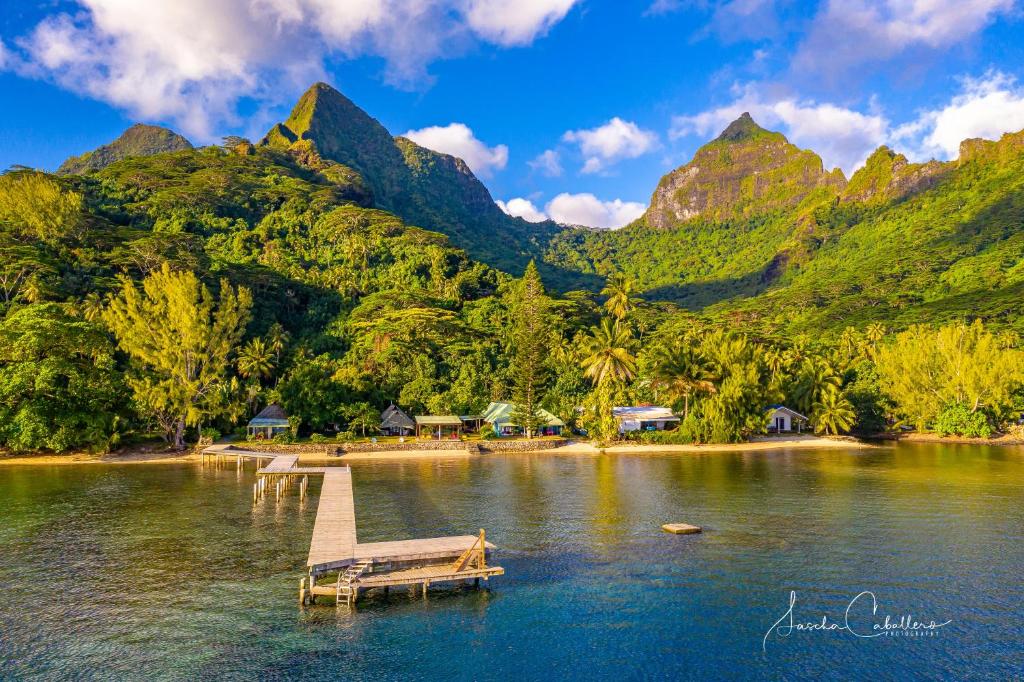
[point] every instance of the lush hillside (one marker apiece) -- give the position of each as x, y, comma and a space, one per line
755, 229
139, 140
436, 191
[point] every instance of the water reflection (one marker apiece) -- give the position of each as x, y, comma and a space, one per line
170, 571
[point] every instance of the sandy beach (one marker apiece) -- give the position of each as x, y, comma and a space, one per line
162, 456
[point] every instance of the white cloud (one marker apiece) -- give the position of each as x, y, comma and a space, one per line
458, 140
659, 7
987, 107
611, 142
515, 22
842, 137
522, 208
586, 209
576, 209
548, 162
191, 61
849, 33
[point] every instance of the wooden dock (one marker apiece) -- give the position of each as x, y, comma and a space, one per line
335, 549
334, 531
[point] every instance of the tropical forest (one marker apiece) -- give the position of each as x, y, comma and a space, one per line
153, 289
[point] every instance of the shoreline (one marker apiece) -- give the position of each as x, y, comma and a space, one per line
573, 448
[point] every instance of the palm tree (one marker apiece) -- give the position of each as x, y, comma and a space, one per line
621, 293
833, 413
277, 339
873, 336
92, 306
816, 378
607, 356
255, 360
683, 372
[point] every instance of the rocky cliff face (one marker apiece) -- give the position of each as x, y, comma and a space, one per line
745, 171
139, 140
888, 176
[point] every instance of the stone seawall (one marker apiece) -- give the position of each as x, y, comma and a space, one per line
521, 445
411, 445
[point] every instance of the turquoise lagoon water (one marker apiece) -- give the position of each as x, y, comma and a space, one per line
169, 572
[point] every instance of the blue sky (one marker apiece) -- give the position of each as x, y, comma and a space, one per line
571, 109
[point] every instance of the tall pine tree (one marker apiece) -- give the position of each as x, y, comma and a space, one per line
530, 351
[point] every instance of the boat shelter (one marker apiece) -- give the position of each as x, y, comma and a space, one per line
270, 422
438, 426
395, 422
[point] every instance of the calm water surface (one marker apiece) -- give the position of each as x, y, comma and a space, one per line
169, 572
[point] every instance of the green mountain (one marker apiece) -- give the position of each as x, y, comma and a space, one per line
745, 171
754, 229
436, 191
139, 140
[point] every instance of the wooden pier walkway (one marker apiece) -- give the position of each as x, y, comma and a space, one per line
334, 547
334, 531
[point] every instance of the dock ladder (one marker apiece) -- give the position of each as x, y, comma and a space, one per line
346, 590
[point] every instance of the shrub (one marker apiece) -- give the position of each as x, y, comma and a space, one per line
208, 436
678, 436
487, 432
318, 438
283, 438
345, 437
958, 420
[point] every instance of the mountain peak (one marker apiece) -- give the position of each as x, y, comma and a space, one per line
887, 175
746, 170
743, 128
138, 140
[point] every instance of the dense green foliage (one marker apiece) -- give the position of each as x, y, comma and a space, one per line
901, 244
186, 289
59, 387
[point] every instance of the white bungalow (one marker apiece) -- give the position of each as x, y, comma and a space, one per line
781, 419
644, 418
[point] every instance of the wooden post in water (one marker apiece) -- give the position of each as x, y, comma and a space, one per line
302, 592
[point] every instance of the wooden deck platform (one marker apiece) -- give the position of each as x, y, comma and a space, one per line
425, 575
334, 547
415, 550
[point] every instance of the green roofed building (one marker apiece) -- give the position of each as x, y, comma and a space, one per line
438, 426
499, 416
268, 423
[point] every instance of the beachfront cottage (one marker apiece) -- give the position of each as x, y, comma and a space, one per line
438, 426
394, 422
268, 423
499, 416
644, 418
781, 419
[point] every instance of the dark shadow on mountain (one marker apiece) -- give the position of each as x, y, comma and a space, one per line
695, 296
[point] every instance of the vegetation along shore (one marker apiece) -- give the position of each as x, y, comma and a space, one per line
164, 290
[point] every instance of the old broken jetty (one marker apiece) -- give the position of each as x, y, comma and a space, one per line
335, 552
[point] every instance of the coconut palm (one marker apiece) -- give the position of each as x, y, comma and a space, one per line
683, 372
255, 360
621, 293
816, 377
607, 356
92, 306
833, 413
